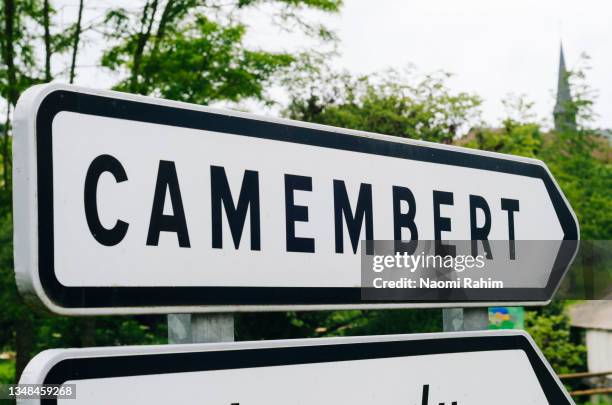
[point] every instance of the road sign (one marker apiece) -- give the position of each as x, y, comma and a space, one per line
466, 368
129, 204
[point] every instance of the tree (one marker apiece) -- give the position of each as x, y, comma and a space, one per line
291, 325
194, 51
19, 71
21, 24
550, 329
390, 103
76, 38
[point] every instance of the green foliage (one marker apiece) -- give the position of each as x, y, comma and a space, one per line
382, 322
550, 329
585, 179
11, 305
193, 51
7, 371
326, 5
291, 325
602, 400
59, 331
389, 103
24, 47
577, 157
513, 138
199, 62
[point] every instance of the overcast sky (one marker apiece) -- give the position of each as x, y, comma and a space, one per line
493, 48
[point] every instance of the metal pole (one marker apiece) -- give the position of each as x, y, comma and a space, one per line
200, 328
462, 319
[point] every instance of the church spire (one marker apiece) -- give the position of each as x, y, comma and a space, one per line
565, 116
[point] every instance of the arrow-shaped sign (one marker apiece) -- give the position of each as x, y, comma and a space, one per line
129, 204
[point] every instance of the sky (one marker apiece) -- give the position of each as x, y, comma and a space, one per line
492, 48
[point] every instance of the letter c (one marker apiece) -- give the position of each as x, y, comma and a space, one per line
101, 164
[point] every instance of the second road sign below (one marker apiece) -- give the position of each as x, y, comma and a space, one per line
470, 368
128, 204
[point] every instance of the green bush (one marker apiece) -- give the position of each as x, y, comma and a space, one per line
7, 371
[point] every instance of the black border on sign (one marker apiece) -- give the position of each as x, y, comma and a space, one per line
75, 369
105, 297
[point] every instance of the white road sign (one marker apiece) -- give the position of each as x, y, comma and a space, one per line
129, 204
468, 368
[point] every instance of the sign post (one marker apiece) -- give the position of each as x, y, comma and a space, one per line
465, 319
200, 328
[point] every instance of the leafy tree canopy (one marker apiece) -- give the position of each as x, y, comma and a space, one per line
191, 50
391, 103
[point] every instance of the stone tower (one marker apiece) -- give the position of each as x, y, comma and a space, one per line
564, 113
